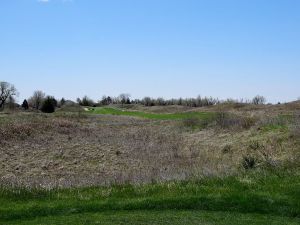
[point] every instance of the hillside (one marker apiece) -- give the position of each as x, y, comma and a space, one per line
218, 161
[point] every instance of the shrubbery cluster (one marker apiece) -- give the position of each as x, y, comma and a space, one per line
49, 105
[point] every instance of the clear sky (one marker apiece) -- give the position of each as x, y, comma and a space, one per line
167, 48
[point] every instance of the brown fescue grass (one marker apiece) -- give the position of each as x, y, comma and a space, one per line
76, 149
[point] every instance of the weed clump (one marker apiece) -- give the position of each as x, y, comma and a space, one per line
295, 128
191, 122
295, 131
194, 122
248, 122
13, 130
227, 148
225, 121
254, 145
278, 123
248, 162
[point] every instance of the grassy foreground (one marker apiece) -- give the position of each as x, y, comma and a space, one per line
252, 199
154, 217
157, 116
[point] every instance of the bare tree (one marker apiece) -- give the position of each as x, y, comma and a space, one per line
62, 102
7, 91
37, 99
147, 101
259, 100
11, 102
160, 101
124, 98
105, 100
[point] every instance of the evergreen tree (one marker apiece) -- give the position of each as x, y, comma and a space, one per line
48, 105
25, 104
62, 102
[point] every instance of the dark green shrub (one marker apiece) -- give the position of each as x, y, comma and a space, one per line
48, 105
86, 101
25, 105
249, 162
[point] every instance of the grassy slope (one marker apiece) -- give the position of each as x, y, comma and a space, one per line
177, 217
252, 199
158, 116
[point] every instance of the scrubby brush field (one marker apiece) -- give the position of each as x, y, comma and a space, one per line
236, 164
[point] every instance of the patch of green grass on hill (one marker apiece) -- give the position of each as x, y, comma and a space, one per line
157, 116
250, 199
279, 123
275, 127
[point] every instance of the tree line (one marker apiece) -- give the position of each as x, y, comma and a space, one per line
199, 101
46, 103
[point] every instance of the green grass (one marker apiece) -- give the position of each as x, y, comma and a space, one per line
252, 199
275, 127
178, 217
156, 116
279, 123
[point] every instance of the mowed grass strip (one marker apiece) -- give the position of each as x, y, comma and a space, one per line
156, 116
265, 195
144, 217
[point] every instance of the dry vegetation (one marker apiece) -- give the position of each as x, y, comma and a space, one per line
76, 149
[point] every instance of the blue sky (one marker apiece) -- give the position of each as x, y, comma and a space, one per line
167, 48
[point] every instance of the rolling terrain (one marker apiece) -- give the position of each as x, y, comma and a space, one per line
236, 164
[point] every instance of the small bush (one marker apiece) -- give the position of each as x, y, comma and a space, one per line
295, 128
296, 131
25, 105
226, 149
86, 101
248, 122
48, 105
194, 122
14, 130
274, 123
221, 118
191, 122
259, 100
249, 162
118, 153
226, 120
254, 145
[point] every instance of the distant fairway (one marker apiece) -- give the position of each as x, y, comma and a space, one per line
156, 116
